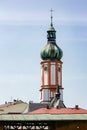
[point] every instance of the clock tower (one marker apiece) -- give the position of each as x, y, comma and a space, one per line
51, 68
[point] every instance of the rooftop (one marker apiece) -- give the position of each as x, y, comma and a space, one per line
17, 106
59, 111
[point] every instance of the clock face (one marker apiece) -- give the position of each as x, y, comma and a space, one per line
45, 68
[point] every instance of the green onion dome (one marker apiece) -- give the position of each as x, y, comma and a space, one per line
51, 51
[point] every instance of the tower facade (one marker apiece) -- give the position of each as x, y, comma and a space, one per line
51, 68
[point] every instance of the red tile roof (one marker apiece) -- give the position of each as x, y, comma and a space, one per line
59, 111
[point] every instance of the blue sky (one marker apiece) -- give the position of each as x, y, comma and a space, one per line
23, 26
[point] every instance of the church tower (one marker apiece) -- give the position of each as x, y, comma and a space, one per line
51, 67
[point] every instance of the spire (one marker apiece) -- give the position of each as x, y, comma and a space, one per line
51, 17
51, 36
51, 25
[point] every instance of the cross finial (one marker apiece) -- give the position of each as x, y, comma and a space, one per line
51, 16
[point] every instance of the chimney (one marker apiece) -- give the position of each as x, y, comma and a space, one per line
76, 107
